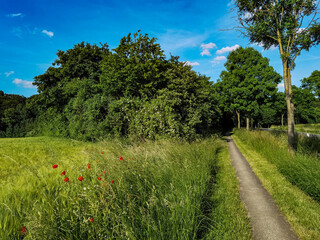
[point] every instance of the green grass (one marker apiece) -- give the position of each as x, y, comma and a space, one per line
291, 180
160, 190
307, 128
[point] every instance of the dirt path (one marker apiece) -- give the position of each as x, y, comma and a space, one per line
266, 219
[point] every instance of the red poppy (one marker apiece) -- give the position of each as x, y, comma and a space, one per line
101, 152
80, 178
120, 158
91, 149
91, 219
63, 173
112, 181
104, 172
88, 165
55, 166
23, 230
99, 178
66, 179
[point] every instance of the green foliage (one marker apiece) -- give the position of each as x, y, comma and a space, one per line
278, 23
247, 83
307, 106
92, 93
8, 102
312, 83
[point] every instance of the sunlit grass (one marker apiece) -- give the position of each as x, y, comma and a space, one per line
150, 190
306, 128
291, 180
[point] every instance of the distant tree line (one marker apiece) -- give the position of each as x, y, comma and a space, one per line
91, 92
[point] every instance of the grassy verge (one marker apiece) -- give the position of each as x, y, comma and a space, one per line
281, 173
307, 128
229, 214
155, 190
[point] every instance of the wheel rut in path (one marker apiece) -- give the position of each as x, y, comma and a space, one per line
266, 219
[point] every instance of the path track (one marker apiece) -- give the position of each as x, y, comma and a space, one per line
266, 219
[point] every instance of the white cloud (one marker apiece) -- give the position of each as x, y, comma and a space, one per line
23, 83
218, 59
206, 47
300, 30
50, 34
192, 63
261, 45
9, 73
227, 49
230, 4
281, 85
205, 52
12, 15
247, 15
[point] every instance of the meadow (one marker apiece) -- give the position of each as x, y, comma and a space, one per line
306, 128
293, 180
56, 188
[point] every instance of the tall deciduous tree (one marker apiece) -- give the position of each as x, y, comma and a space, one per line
247, 83
289, 25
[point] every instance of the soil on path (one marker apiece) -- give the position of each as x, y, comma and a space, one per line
266, 219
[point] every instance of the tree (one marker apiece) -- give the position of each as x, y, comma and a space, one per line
136, 68
247, 83
75, 69
306, 106
312, 83
287, 25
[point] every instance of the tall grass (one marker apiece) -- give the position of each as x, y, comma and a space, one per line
306, 128
154, 190
291, 180
301, 169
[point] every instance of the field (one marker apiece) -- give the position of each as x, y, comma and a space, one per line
292, 180
53, 188
306, 128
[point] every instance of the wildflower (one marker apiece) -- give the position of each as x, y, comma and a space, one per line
55, 166
91, 149
112, 181
120, 158
101, 152
91, 220
104, 172
66, 179
88, 165
99, 178
80, 178
23, 230
63, 173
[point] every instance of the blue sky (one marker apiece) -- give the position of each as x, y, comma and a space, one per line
32, 31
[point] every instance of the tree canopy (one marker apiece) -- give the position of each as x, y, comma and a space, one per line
247, 83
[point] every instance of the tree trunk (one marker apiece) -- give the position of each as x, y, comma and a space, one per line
248, 123
252, 122
290, 105
238, 116
282, 115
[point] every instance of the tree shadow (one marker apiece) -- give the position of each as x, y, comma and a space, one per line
207, 203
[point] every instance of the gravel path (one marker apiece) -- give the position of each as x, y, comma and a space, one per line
266, 219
